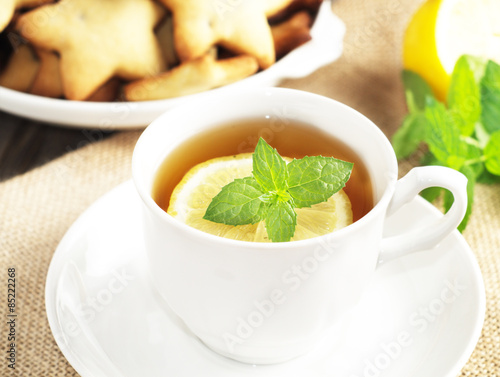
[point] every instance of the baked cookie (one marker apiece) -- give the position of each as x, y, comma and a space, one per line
96, 40
309, 6
106, 93
8, 7
47, 82
21, 69
165, 35
291, 33
240, 26
271, 7
191, 77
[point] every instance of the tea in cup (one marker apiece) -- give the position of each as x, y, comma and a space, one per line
268, 302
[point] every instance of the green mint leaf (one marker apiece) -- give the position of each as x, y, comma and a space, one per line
416, 90
487, 178
238, 203
490, 97
281, 220
408, 137
482, 136
428, 159
269, 169
442, 134
464, 97
455, 162
475, 158
492, 154
477, 65
313, 180
431, 193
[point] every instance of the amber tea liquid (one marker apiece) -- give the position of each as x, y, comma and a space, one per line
293, 139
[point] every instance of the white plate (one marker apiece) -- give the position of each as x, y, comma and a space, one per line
421, 316
324, 47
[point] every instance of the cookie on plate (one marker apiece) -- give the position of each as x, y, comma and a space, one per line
240, 26
291, 33
106, 93
165, 35
21, 69
96, 40
8, 7
191, 77
47, 82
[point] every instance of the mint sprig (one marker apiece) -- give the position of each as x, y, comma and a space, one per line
269, 169
312, 180
275, 189
463, 134
239, 202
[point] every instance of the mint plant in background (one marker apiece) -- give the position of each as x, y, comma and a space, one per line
463, 134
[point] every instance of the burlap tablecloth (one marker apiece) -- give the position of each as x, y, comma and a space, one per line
37, 208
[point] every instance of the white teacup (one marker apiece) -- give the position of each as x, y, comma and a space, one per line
267, 303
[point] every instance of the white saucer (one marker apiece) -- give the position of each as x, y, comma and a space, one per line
421, 316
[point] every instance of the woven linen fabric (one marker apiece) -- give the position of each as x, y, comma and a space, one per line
37, 208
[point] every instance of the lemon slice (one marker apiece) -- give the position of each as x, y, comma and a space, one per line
195, 191
443, 30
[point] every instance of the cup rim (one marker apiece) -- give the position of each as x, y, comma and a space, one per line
207, 237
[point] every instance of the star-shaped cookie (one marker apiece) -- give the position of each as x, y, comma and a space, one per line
8, 7
96, 40
191, 77
240, 26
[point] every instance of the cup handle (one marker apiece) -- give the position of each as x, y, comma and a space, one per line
427, 237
